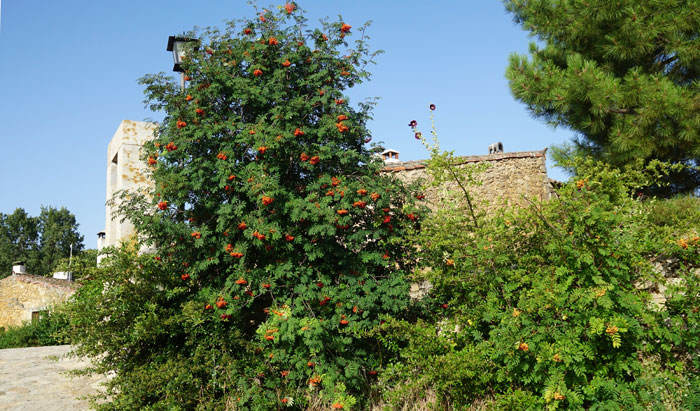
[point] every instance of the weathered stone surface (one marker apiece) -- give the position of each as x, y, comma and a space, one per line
125, 171
668, 269
34, 379
420, 290
509, 179
22, 294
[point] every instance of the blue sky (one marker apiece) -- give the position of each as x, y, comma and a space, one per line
69, 73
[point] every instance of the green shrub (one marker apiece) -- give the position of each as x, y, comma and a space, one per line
553, 304
279, 242
48, 329
678, 212
456, 374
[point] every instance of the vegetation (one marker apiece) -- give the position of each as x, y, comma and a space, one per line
283, 259
279, 244
623, 76
39, 241
48, 329
557, 305
81, 266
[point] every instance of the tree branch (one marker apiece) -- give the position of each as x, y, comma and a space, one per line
621, 110
466, 193
668, 60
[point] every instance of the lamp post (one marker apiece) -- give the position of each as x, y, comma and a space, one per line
178, 45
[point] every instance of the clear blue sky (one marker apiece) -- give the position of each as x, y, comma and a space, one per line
69, 73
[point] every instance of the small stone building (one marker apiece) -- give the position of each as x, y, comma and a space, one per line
24, 296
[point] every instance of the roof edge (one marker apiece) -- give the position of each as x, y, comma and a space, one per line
44, 281
419, 164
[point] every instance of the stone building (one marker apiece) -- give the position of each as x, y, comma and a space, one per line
23, 297
125, 171
509, 178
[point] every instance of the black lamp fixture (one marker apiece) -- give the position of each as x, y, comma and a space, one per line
179, 48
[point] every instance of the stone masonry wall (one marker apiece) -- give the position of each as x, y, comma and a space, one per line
125, 171
21, 294
508, 180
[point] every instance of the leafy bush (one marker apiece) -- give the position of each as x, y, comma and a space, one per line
677, 212
81, 265
48, 329
279, 244
551, 306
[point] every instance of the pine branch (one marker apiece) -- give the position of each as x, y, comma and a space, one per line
667, 61
621, 110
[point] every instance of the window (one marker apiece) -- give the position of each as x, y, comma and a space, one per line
37, 315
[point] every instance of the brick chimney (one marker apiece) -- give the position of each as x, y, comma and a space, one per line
390, 156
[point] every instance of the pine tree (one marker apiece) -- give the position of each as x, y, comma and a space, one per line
279, 242
624, 75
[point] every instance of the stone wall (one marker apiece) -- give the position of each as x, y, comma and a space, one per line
125, 171
509, 179
22, 294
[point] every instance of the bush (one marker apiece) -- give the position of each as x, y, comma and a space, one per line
80, 265
553, 304
49, 329
279, 243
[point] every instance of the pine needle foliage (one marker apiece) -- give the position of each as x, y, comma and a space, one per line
624, 75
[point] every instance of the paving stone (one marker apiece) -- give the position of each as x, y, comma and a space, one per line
35, 379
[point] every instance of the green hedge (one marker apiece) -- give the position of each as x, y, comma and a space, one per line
47, 330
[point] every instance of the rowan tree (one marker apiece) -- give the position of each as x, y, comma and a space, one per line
623, 75
279, 244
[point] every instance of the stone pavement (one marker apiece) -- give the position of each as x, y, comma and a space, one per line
33, 379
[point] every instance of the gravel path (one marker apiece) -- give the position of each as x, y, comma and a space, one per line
33, 379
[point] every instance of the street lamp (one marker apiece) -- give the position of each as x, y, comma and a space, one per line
178, 45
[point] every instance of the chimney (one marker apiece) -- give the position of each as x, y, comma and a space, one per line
101, 237
19, 267
63, 275
496, 148
101, 240
390, 156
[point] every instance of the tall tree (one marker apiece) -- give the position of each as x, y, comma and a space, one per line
59, 233
39, 241
19, 240
623, 74
280, 244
